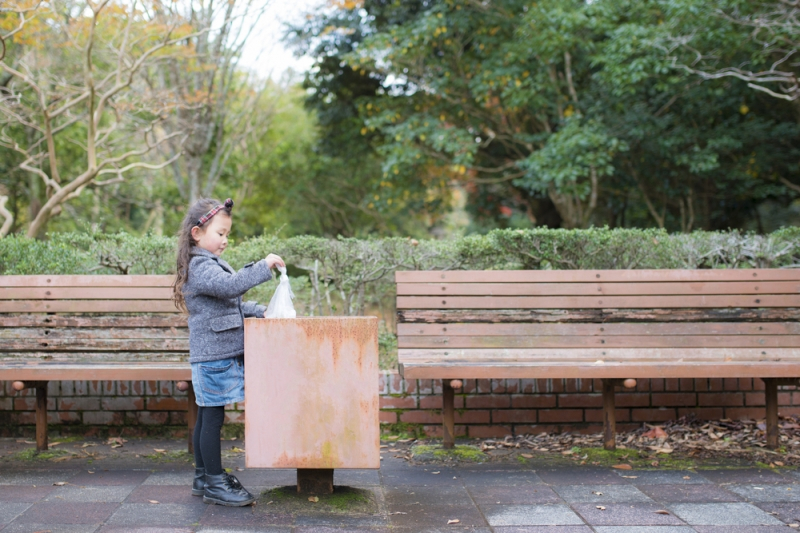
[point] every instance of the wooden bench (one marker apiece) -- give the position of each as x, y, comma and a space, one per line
103, 328
612, 325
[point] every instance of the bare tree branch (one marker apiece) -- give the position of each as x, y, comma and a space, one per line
7, 216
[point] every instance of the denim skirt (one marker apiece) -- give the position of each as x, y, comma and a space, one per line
218, 382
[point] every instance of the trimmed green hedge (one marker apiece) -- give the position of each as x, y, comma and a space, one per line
347, 276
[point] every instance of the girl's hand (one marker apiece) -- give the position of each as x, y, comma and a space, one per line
274, 260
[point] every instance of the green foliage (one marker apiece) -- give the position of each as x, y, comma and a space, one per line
356, 276
387, 348
561, 113
21, 255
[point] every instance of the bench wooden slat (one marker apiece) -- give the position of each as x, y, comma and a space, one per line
616, 341
86, 293
73, 321
586, 276
617, 328
578, 316
106, 357
35, 335
609, 289
595, 302
88, 281
71, 345
643, 370
88, 306
596, 354
96, 371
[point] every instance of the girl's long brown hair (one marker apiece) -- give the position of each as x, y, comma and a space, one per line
186, 243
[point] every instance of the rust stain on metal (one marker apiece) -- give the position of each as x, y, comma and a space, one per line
312, 380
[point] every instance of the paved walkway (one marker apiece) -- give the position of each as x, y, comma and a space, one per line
137, 494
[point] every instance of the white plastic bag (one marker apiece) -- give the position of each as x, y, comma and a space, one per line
281, 305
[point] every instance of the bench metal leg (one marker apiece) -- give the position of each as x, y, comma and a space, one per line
448, 414
41, 416
771, 396
609, 415
192, 418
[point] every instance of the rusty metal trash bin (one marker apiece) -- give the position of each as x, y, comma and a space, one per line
311, 396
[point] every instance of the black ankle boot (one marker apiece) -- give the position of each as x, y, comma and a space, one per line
225, 489
199, 484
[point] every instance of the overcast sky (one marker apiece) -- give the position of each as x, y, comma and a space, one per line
264, 51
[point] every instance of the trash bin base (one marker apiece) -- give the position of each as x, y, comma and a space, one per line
315, 480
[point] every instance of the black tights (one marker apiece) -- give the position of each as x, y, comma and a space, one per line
206, 439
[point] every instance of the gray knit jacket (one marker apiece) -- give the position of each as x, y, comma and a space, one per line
213, 295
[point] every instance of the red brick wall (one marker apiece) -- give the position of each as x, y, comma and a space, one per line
484, 408
490, 408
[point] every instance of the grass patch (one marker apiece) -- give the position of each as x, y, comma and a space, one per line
344, 499
67, 439
634, 458
461, 453
30, 454
401, 430
172, 456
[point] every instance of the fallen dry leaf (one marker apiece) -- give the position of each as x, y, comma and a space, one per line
526, 455
687, 437
662, 511
313, 499
115, 442
601, 507
453, 521
656, 433
153, 501
661, 449
686, 477
435, 472
622, 467
160, 450
630, 477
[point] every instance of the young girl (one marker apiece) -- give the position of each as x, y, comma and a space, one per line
211, 292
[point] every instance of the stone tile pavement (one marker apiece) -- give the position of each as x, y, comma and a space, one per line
117, 495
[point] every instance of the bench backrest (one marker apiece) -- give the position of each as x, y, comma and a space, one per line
91, 319
86, 294
508, 317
